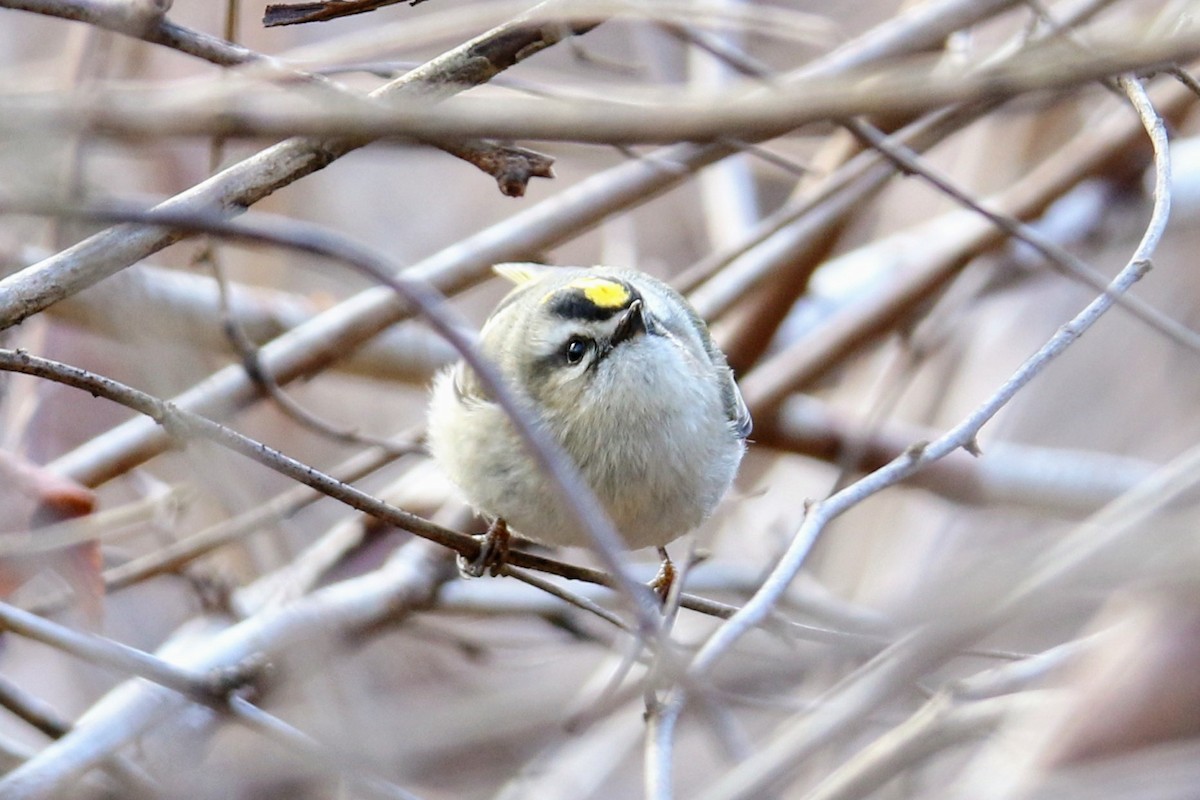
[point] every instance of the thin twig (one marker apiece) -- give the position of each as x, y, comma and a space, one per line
322, 755
310, 347
1070, 264
964, 434
186, 306
571, 598
547, 453
322, 11
33, 710
896, 91
243, 184
248, 352
1061, 481
1024, 674
175, 556
947, 245
406, 582
114, 655
923, 648
1186, 78
153, 28
939, 725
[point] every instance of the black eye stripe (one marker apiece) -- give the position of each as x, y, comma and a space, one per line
539, 369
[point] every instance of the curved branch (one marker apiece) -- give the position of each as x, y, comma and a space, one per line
923, 648
231, 191
547, 453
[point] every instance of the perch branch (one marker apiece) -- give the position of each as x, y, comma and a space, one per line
546, 452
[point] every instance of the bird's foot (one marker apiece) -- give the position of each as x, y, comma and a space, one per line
665, 578
493, 552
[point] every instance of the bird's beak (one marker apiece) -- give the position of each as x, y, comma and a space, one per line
632, 322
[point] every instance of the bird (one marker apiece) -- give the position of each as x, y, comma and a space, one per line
621, 371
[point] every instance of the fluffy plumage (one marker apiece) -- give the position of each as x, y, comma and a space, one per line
623, 373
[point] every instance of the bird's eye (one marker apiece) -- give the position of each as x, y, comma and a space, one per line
576, 349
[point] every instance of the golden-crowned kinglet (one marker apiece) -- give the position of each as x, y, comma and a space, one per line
622, 372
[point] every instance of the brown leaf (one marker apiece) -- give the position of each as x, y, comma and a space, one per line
39, 497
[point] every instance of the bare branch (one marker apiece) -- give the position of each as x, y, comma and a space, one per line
512, 167
1061, 481
405, 583
150, 27
959, 237
299, 13
741, 114
864, 322
169, 302
926, 647
240, 186
1069, 264
340, 330
939, 725
47, 720
176, 555
325, 756
114, 655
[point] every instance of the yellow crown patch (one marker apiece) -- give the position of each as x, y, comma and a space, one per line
602, 292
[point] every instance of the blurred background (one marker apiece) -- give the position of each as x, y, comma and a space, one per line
1021, 622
